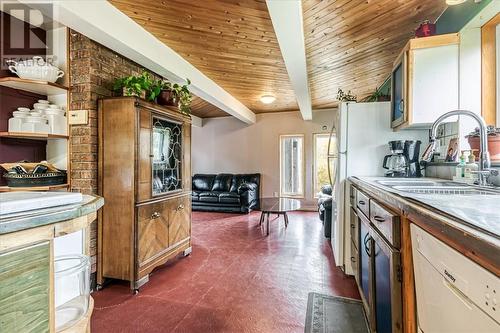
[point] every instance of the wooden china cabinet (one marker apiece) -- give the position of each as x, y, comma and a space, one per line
145, 179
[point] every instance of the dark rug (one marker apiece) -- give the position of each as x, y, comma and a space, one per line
329, 314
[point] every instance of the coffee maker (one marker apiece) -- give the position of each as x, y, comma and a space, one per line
403, 160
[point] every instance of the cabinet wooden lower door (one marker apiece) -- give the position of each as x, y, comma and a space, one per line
25, 289
153, 234
180, 220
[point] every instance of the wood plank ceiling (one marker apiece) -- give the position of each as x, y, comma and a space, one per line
232, 42
351, 44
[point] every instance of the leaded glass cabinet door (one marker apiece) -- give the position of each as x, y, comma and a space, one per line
166, 148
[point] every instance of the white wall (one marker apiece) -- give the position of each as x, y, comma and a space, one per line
228, 145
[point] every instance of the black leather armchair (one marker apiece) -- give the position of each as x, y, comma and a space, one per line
226, 192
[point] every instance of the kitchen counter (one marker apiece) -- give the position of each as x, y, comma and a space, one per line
41, 217
469, 224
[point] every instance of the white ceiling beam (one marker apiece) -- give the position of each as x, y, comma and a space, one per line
286, 16
104, 23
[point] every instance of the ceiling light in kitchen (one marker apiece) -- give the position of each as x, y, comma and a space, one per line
267, 99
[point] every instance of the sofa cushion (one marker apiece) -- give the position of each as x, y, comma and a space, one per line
203, 182
209, 196
246, 178
222, 182
195, 195
229, 197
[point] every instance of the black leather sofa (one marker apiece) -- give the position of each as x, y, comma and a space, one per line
226, 192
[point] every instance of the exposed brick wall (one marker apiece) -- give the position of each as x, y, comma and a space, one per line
94, 69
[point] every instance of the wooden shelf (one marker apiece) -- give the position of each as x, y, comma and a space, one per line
32, 136
38, 87
35, 188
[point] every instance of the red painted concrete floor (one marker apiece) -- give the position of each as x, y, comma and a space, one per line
236, 280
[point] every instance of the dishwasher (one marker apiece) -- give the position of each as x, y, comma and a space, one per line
454, 294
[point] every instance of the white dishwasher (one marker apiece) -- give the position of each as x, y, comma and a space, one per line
454, 294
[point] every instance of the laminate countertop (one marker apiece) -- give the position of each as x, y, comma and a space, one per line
40, 217
468, 223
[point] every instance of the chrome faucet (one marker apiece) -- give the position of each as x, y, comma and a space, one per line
484, 168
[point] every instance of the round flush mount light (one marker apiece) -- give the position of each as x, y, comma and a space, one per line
454, 2
267, 99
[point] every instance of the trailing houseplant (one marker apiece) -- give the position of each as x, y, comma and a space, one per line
176, 94
183, 96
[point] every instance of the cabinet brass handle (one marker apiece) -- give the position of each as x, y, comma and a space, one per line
180, 207
379, 218
155, 215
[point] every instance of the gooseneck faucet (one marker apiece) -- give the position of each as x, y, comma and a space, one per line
484, 156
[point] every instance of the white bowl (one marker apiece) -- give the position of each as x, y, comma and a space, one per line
36, 69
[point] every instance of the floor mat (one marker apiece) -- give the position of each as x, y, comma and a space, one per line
329, 314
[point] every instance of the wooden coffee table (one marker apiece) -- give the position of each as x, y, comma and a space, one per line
278, 206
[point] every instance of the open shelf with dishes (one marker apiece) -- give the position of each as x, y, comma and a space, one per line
34, 188
32, 136
33, 122
35, 86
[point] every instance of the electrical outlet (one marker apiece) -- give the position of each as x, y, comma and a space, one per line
78, 117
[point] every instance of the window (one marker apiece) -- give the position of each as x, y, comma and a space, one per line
292, 165
322, 161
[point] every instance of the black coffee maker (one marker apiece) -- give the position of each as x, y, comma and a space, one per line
403, 160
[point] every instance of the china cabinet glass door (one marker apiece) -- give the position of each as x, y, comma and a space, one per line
166, 156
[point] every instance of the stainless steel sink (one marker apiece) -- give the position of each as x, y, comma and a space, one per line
413, 183
447, 190
441, 187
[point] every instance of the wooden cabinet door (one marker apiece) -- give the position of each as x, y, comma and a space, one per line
153, 231
25, 289
179, 220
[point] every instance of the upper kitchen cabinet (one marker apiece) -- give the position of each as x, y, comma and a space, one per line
425, 81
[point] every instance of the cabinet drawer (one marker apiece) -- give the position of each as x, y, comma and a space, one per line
352, 196
354, 225
152, 225
386, 222
362, 202
179, 220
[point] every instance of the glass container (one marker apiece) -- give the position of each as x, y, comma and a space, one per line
72, 289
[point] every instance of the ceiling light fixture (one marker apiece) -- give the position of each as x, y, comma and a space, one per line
267, 99
454, 2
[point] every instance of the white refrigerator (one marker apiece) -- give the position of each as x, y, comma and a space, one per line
363, 132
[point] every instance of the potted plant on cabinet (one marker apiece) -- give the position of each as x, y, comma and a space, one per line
183, 96
176, 95
377, 96
143, 86
166, 95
